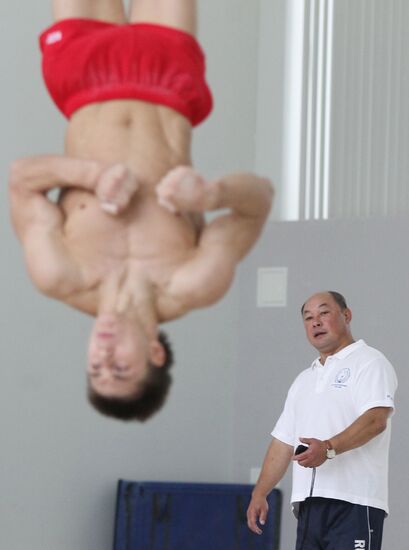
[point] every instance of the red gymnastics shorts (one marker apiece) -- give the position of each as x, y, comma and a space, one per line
87, 61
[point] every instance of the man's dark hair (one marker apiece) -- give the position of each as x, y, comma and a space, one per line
339, 299
148, 400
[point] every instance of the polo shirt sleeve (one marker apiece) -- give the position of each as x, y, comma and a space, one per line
284, 429
376, 385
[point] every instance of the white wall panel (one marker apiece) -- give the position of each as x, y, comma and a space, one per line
355, 120
369, 124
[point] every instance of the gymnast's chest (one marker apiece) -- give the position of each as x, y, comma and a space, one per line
145, 233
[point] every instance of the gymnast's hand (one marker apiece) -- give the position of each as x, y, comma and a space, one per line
115, 188
184, 190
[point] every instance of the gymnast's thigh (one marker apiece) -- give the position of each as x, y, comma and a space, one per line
180, 14
104, 10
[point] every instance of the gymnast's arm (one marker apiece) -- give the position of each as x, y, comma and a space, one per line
38, 221
226, 240
248, 198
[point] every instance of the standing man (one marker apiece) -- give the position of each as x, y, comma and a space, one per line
340, 409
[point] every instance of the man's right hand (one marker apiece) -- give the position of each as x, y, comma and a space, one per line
115, 188
257, 513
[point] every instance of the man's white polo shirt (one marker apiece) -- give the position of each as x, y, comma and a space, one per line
326, 399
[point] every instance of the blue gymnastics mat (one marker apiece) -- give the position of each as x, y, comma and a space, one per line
191, 516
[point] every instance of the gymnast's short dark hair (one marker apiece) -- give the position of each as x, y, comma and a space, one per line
148, 400
338, 298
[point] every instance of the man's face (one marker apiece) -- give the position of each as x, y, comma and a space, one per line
326, 325
118, 356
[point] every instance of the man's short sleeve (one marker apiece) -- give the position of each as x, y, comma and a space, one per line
285, 426
376, 385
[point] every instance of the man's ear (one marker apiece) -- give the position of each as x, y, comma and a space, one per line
157, 354
348, 315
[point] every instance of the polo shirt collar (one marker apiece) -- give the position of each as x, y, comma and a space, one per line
341, 354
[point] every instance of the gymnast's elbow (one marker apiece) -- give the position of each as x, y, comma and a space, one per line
267, 197
259, 208
14, 180
50, 281
17, 174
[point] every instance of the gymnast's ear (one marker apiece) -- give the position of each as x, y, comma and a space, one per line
157, 353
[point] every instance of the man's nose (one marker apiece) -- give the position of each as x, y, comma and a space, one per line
316, 321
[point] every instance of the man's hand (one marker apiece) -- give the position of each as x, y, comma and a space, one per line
314, 456
115, 188
184, 190
257, 513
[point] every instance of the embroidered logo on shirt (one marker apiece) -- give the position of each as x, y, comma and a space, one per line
53, 37
341, 378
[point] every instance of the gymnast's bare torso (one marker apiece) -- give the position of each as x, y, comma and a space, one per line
144, 243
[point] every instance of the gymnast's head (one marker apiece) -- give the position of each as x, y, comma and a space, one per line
128, 373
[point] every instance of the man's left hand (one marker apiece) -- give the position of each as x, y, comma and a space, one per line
315, 455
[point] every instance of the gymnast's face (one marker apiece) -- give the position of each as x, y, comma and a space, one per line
118, 356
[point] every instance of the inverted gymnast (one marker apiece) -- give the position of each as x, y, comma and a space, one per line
126, 241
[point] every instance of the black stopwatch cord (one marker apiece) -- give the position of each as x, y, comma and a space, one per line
307, 509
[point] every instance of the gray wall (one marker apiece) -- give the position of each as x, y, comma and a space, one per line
367, 261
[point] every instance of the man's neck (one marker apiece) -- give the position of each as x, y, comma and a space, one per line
324, 355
